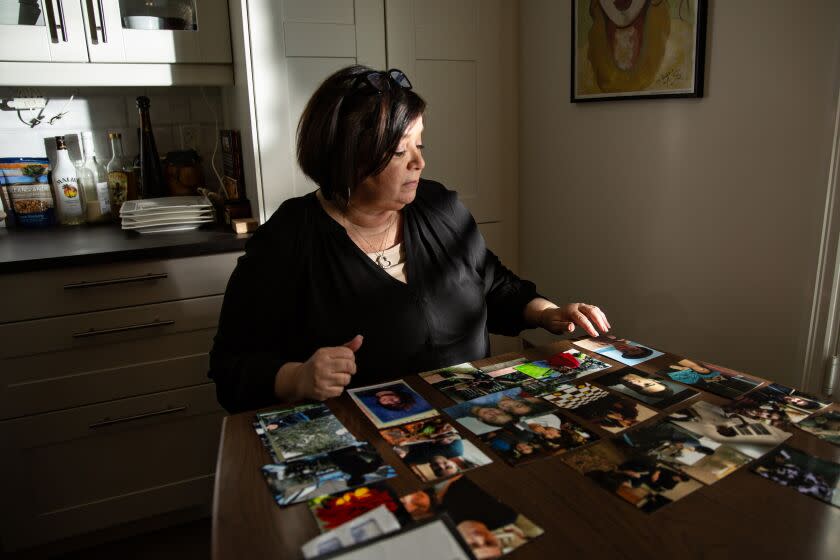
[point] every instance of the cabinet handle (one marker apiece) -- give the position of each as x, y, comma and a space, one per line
102, 27
111, 421
99, 332
127, 279
48, 4
94, 37
60, 5
94, 28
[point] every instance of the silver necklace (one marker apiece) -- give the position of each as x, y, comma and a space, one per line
381, 260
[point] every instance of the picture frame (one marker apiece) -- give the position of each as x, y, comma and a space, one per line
649, 50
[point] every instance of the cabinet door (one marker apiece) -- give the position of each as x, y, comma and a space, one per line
454, 53
50, 32
144, 31
295, 44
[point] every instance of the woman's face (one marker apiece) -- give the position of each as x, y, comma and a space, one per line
644, 384
492, 415
396, 185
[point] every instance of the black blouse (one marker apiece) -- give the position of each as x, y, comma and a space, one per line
303, 284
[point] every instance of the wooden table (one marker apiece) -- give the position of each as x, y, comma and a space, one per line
741, 516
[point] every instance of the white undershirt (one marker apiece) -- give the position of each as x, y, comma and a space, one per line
396, 255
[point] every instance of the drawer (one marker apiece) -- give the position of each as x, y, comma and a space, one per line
88, 468
46, 366
51, 293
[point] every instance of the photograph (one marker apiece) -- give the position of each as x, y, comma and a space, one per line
333, 510
490, 527
301, 431
824, 425
569, 365
450, 376
486, 385
619, 349
571, 396
776, 405
746, 435
431, 429
392, 403
537, 437
714, 379
369, 525
433, 461
654, 391
698, 456
608, 411
637, 49
506, 369
300, 480
636, 479
491, 412
806, 474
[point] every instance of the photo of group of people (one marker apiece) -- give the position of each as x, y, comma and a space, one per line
806, 474
776, 405
491, 412
490, 527
619, 349
654, 391
537, 437
602, 408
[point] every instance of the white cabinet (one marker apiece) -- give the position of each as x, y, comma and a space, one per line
121, 31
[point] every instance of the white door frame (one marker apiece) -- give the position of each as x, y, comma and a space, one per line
824, 328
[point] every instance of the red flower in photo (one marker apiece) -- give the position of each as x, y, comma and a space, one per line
337, 510
562, 359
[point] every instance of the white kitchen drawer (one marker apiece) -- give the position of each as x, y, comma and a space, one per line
50, 293
87, 468
45, 365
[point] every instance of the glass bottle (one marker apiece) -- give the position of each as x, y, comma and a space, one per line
150, 183
94, 180
69, 196
121, 180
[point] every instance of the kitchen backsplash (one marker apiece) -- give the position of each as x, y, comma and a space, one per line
181, 116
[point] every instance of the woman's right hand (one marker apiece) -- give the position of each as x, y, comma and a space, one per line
327, 372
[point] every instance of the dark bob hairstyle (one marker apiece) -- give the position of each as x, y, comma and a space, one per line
351, 128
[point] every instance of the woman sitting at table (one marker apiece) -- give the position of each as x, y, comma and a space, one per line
378, 272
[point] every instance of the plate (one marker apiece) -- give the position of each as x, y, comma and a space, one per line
166, 217
141, 227
165, 229
168, 203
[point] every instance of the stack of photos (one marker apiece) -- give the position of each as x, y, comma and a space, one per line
619, 349
598, 406
655, 391
391, 404
825, 425
301, 431
462, 382
746, 435
806, 474
776, 405
370, 525
494, 411
434, 449
326, 473
576, 364
700, 457
332, 511
537, 437
635, 478
490, 527
714, 379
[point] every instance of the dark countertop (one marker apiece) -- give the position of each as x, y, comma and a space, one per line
24, 250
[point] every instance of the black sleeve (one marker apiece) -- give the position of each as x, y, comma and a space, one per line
254, 334
506, 293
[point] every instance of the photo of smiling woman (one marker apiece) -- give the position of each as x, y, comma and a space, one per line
375, 275
650, 389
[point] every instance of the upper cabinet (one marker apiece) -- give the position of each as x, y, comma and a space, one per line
112, 31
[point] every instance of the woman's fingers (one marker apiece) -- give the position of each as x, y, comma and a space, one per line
595, 313
343, 365
581, 319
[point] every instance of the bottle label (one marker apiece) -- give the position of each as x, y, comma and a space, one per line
103, 196
117, 187
70, 204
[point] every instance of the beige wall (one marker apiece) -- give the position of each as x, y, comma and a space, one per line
693, 222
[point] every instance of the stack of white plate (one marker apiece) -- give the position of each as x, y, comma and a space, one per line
172, 213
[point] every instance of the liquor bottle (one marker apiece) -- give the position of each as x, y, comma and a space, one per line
69, 197
151, 183
121, 179
94, 180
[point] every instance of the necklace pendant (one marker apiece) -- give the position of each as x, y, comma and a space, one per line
382, 261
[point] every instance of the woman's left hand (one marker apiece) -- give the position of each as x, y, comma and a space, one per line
562, 320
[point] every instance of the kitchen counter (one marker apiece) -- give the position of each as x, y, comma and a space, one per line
24, 250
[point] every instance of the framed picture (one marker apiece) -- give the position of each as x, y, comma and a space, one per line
637, 49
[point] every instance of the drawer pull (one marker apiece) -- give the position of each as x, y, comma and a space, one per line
97, 283
98, 332
94, 28
110, 421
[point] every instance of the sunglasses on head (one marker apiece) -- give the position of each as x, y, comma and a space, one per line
384, 81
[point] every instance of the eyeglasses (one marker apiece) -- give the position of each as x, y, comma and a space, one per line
384, 81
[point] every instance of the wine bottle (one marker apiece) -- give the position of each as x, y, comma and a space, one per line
121, 178
68, 194
151, 183
94, 180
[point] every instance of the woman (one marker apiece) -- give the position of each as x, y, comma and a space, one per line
378, 271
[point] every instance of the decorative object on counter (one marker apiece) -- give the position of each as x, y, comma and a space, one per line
94, 182
151, 183
183, 173
26, 192
69, 196
174, 213
122, 182
245, 225
237, 210
234, 178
